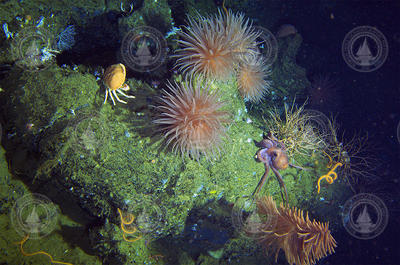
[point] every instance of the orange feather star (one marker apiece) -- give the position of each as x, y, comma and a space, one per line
303, 241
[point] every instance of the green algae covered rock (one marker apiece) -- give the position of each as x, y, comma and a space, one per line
113, 157
156, 14
289, 78
55, 92
113, 160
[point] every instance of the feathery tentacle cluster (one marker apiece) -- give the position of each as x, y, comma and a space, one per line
192, 119
251, 78
212, 46
303, 241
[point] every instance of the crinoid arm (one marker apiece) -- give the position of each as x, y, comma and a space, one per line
303, 241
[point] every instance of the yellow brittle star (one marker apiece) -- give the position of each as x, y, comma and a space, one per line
330, 160
128, 231
331, 176
21, 243
224, 8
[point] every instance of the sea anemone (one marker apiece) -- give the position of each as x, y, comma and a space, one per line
211, 46
303, 241
191, 119
251, 78
240, 33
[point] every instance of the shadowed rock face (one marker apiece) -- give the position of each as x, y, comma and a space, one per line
286, 30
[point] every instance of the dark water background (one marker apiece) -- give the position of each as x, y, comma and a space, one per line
369, 102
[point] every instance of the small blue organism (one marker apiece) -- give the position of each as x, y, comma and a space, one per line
40, 22
8, 33
66, 39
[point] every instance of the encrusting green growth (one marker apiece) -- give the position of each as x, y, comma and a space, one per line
114, 158
111, 158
